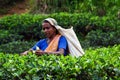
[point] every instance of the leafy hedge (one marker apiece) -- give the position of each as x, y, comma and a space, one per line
79, 21
100, 38
91, 30
6, 37
96, 64
16, 46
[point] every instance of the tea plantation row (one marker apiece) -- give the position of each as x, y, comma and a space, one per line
95, 64
26, 29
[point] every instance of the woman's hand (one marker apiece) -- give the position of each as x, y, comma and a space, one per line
39, 52
24, 53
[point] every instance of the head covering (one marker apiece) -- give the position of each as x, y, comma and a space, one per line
74, 46
52, 21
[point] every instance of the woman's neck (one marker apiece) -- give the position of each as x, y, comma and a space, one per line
51, 38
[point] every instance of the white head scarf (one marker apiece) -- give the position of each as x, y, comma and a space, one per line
74, 46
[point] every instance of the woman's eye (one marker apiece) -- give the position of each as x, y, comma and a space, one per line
46, 28
43, 28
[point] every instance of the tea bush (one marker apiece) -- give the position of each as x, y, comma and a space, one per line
6, 37
101, 38
101, 63
91, 30
16, 46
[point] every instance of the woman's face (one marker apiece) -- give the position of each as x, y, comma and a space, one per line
49, 30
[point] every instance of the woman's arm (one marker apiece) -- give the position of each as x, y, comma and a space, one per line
26, 52
59, 52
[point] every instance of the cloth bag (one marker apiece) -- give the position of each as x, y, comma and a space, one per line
74, 45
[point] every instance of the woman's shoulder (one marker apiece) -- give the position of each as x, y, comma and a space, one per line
42, 40
62, 38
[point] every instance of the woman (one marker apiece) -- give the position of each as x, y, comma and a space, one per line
58, 41
54, 43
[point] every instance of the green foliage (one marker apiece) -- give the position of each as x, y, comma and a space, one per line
101, 63
19, 23
100, 38
6, 36
28, 26
100, 8
91, 30
16, 46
